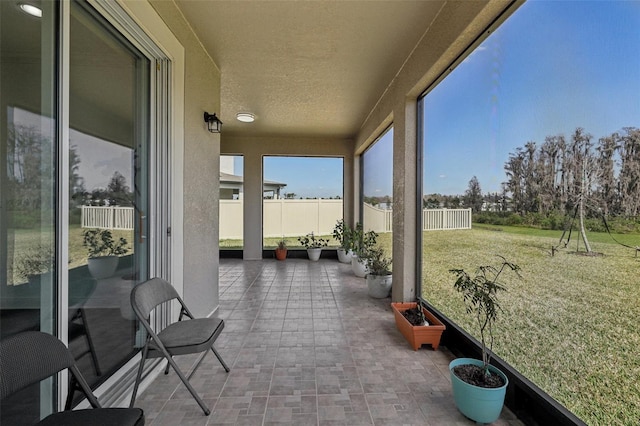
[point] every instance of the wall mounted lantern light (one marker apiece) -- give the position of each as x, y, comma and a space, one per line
214, 125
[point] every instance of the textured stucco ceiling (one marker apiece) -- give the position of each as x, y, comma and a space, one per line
306, 68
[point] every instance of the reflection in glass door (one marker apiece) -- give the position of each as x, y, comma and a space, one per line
27, 186
108, 155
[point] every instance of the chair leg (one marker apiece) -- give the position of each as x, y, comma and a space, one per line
166, 369
196, 365
145, 350
193, 392
72, 388
220, 359
92, 349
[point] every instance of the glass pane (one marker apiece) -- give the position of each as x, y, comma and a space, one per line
108, 151
536, 135
27, 173
377, 190
231, 202
301, 195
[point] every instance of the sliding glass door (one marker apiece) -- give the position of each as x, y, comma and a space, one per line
28, 143
108, 185
75, 167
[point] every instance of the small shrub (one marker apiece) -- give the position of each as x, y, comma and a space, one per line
100, 242
33, 261
309, 241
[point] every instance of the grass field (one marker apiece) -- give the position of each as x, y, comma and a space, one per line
570, 324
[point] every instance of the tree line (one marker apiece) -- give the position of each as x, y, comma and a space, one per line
31, 176
547, 184
561, 173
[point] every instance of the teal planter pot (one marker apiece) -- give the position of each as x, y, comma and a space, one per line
482, 405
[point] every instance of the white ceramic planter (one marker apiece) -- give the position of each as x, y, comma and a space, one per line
379, 285
314, 254
344, 256
358, 267
103, 266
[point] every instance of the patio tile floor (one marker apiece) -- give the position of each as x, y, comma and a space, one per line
307, 346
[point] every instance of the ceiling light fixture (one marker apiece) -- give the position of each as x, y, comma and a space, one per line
31, 9
245, 117
214, 125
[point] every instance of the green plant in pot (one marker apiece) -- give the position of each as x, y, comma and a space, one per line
281, 249
104, 252
363, 243
343, 233
379, 278
313, 245
478, 387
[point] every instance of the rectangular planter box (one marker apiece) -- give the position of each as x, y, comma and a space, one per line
418, 335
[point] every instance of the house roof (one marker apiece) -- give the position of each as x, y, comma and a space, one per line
229, 178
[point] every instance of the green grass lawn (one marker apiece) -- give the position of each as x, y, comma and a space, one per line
570, 324
271, 243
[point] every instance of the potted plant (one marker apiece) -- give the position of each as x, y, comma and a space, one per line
363, 242
281, 250
104, 252
378, 276
343, 233
313, 245
417, 324
478, 387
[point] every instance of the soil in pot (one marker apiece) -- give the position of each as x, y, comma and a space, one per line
475, 375
413, 316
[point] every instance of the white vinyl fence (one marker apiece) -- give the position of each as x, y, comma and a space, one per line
375, 219
289, 218
445, 219
107, 217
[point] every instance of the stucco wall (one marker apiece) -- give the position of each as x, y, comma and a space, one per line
201, 166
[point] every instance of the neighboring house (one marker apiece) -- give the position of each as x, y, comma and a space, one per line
231, 187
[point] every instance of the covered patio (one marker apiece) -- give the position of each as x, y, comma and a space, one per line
307, 346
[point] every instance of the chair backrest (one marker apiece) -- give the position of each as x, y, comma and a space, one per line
29, 357
149, 294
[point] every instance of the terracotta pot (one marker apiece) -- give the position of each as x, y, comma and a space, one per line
420, 334
281, 254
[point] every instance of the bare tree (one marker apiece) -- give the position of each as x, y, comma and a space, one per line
605, 177
629, 179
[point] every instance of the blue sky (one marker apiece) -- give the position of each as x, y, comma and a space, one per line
378, 168
551, 67
306, 176
323, 177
